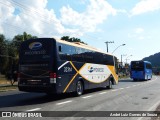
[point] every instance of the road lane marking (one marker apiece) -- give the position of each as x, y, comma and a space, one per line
134, 85
115, 90
36, 109
61, 103
152, 108
121, 88
128, 87
87, 96
102, 93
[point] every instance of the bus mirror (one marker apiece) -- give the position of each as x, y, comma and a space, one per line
60, 49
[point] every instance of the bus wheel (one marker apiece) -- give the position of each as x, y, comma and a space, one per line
79, 88
110, 85
134, 80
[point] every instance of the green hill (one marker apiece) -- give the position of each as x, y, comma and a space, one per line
154, 59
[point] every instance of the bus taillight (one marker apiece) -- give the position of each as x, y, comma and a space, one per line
53, 77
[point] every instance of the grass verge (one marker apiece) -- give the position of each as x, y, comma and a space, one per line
8, 88
5, 85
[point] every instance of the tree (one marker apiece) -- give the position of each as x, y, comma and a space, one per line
3, 52
73, 39
18, 39
9, 52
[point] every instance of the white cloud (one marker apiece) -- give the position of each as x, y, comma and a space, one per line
141, 38
34, 18
145, 6
96, 12
139, 30
137, 34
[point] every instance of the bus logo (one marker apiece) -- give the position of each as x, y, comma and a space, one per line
95, 69
90, 69
35, 46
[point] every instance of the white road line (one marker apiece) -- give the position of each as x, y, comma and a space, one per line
152, 108
121, 88
128, 87
138, 84
87, 96
61, 103
102, 93
36, 109
115, 90
150, 81
134, 85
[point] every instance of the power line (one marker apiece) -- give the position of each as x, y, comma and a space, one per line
33, 13
37, 13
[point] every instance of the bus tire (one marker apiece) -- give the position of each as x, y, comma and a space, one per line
110, 85
134, 79
79, 88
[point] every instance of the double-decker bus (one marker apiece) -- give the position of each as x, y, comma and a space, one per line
141, 70
56, 66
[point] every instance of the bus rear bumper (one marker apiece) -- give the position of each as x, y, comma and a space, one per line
38, 88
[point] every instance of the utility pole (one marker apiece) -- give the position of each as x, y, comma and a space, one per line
128, 57
107, 43
121, 59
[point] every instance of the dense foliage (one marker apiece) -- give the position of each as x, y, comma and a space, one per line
154, 59
73, 39
9, 51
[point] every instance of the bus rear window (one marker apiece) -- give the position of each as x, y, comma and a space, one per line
36, 50
137, 66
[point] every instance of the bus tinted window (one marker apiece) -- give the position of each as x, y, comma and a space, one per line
148, 66
137, 65
36, 49
108, 59
66, 52
71, 53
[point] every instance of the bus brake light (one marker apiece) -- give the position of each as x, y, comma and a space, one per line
53, 77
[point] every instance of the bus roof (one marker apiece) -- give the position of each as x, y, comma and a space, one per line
141, 61
81, 45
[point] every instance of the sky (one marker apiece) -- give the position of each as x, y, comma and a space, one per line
135, 23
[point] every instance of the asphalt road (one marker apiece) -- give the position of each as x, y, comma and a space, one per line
126, 96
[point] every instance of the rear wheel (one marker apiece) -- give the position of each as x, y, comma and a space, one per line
110, 85
79, 88
134, 79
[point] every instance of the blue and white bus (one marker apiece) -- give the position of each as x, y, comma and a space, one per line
56, 66
141, 70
